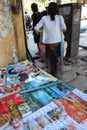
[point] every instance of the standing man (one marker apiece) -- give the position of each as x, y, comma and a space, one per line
36, 16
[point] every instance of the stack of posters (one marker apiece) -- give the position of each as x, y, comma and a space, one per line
45, 95
52, 117
40, 102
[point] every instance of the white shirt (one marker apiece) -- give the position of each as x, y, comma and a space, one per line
51, 29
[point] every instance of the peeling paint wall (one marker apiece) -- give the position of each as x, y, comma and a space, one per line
12, 41
7, 37
19, 28
6, 25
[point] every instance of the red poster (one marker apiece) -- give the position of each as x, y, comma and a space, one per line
16, 98
74, 106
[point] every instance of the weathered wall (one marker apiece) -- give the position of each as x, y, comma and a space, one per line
19, 27
7, 37
11, 34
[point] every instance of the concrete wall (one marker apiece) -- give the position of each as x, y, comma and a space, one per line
12, 39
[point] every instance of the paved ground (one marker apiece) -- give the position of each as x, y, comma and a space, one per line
75, 74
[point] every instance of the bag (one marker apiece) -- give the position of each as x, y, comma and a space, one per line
36, 34
63, 42
63, 48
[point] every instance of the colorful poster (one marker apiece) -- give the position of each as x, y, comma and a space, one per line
47, 118
41, 97
21, 68
62, 88
16, 98
75, 107
39, 80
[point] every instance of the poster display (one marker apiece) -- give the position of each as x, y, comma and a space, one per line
40, 102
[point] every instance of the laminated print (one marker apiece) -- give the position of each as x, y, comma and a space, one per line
67, 126
64, 123
13, 110
48, 117
42, 121
62, 88
20, 68
41, 97
74, 106
15, 98
33, 125
16, 78
24, 109
3, 122
14, 69
13, 87
52, 93
25, 86
1, 86
40, 80
32, 104
72, 126
55, 113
